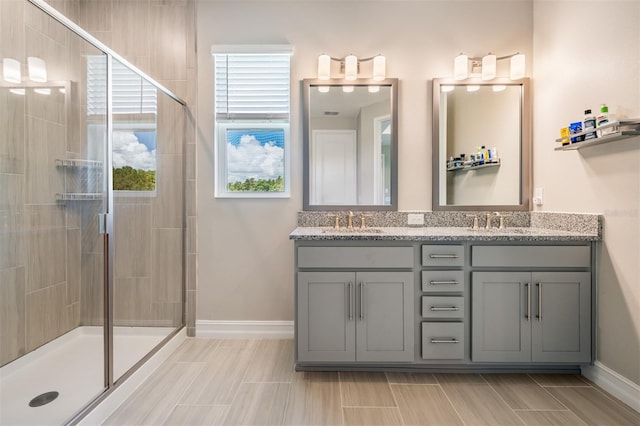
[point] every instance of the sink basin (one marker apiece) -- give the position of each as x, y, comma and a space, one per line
352, 231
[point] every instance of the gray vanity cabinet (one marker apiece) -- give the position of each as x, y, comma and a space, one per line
355, 316
531, 317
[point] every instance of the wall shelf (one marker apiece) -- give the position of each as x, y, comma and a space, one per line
479, 166
625, 129
70, 162
83, 180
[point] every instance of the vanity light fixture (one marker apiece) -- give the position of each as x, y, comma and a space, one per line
11, 70
445, 89
347, 89
350, 65
37, 69
489, 66
473, 88
498, 87
373, 89
20, 92
323, 89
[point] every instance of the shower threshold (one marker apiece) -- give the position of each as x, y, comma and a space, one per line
73, 366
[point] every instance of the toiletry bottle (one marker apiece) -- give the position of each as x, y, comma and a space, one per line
602, 119
486, 154
480, 156
589, 123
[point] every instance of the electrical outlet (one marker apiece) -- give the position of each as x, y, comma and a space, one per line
538, 196
415, 218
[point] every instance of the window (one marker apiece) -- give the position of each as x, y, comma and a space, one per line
252, 121
134, 106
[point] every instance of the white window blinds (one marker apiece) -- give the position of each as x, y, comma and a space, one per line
252, 85
131, 93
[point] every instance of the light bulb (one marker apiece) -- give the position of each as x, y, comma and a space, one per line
489, 67
351, 67
11, 71
461, 67
37, 69
324, 67
379, 68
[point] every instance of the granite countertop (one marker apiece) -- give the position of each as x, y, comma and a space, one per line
432, 233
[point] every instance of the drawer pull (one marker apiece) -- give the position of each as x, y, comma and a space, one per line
444, 282
350, 301
445, 341
444, 256
528, 315
444, 308
361, 301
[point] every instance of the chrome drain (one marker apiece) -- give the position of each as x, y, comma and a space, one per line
43, 399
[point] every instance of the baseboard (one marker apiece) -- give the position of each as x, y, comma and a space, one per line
619, 386
244, 329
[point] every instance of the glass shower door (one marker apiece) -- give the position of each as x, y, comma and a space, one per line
53, 196
148, 217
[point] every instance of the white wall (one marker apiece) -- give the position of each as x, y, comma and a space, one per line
579, 66
245, 266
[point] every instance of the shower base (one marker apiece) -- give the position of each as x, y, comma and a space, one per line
73, 366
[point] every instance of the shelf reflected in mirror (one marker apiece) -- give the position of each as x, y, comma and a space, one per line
481, 144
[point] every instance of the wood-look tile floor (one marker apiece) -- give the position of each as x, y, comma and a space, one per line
252, 382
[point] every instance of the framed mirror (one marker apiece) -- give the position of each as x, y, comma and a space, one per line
350, 144
481, 144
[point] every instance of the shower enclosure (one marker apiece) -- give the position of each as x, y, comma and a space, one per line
92, 217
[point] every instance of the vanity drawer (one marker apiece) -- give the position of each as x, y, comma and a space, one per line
442, 281
442, 255
442, 340
438, 307
531, 256
355, 257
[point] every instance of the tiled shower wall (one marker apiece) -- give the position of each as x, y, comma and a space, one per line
157, 36
40, 239
43, 242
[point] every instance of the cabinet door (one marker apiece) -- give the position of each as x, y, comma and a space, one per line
326, 316
501, 326
561, 326
384, 318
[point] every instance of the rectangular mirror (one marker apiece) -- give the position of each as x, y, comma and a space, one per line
350, 144
481, 144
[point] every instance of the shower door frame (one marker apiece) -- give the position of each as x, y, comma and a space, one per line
107, 219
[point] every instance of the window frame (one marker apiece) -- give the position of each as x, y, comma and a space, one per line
220, 144
250, 122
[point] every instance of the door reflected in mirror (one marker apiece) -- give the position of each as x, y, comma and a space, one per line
480, 145
350, 145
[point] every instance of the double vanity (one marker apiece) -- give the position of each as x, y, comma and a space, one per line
479, 284
445, 296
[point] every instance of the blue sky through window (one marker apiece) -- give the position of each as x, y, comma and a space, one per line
255, 153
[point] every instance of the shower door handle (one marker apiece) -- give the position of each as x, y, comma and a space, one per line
102, 223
